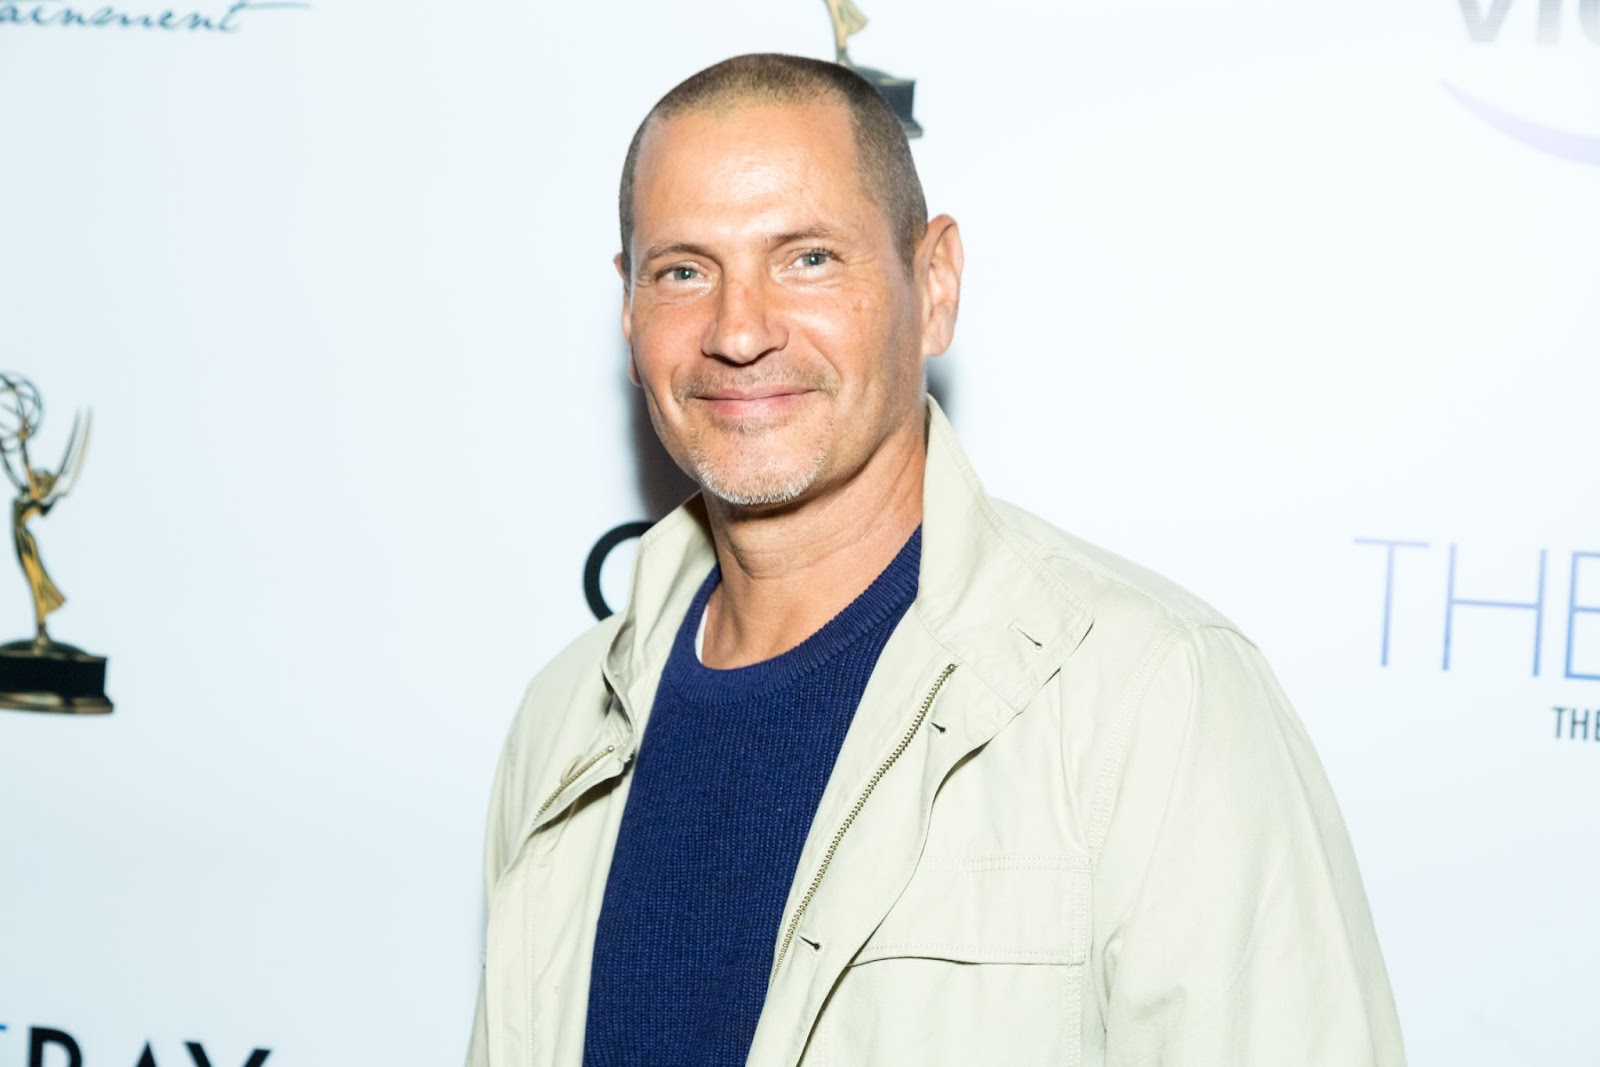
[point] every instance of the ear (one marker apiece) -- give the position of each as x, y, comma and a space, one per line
938, 273
627, 316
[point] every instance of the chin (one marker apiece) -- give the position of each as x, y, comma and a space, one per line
744, 484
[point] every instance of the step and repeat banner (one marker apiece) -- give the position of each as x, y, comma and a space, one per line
1293, 302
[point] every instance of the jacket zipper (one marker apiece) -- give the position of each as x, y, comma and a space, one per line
855, 810
570, 777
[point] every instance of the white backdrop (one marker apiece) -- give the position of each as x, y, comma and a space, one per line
1249, 287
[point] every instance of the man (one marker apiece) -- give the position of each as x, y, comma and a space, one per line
874, 769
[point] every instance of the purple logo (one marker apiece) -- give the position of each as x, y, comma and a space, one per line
1574, 146
1484, 20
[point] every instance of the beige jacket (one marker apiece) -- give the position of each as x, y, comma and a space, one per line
1073, 822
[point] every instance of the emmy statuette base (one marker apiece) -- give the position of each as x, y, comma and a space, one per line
50, 676
899, 92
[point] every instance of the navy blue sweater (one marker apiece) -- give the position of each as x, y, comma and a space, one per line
730, 770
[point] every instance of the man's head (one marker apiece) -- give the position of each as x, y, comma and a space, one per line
883, 155
776, 312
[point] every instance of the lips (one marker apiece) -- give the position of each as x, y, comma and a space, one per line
752, 393
758, 402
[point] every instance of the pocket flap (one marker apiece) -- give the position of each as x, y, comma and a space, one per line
988, 909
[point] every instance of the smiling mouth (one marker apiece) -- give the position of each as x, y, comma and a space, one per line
751, 395
756, 402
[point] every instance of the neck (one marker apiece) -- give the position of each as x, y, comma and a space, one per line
787, 571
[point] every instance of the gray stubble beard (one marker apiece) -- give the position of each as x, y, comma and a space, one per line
766, 494
769, 491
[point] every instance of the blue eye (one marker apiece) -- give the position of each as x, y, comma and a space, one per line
814, 258
682, 274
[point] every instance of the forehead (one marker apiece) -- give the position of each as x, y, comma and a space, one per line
748, 158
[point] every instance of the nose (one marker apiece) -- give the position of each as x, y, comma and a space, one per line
745, 324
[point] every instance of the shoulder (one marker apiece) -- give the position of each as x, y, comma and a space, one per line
1162, 684
1159, 667
573, 668
561, 709
1121, 595
566, 692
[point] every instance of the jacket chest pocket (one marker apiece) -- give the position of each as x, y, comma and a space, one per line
980, 961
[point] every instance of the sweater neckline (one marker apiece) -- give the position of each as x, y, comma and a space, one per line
890, 593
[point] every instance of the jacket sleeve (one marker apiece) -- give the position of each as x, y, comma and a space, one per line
478, 1045
494, 862
1237, 931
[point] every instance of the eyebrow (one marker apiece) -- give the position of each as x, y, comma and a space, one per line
777, 240
679, 248
809, 233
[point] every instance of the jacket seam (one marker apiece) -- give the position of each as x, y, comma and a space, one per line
1002, 862
1112, 762
1137, 897
975, 951
1181, 614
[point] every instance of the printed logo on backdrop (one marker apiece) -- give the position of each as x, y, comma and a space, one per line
1567, 619
222, 16
48, 1047
1553, 31
594, 566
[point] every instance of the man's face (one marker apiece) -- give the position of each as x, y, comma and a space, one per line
773, 327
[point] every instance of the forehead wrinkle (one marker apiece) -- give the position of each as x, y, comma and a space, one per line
749, 194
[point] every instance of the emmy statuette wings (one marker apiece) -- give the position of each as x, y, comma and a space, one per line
40, 673
848, 20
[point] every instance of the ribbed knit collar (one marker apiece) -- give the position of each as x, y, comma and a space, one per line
888, 595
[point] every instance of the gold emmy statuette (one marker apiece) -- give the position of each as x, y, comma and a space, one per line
848, 20
42, 674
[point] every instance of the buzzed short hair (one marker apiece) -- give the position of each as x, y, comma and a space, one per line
883, 155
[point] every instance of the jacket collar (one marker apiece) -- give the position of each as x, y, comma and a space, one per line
984, 592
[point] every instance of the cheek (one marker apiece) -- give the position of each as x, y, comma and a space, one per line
843, 317
861, 338
661, 344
